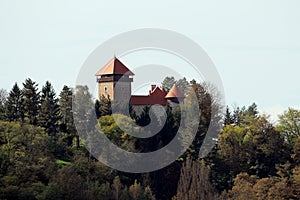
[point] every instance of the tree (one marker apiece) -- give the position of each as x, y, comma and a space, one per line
194, 182
182, 84
252, 110
49, 114
83, 112
296, 152
168, 82
228, 117
243, 187
262, 187
254, 147
209, 114
289, 125
31, 101
137, 192
25, 155
115, 134
231, 148
3, 98
296, 182
117, 186
66, 112
280, 190
103, 106
13, 105
70, 183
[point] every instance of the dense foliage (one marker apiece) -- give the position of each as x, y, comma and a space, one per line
43, 157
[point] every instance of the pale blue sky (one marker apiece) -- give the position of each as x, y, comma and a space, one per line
255, 44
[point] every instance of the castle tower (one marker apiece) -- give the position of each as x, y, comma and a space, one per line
174, 95
114, 80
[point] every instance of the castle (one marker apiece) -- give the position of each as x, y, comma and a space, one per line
114, 82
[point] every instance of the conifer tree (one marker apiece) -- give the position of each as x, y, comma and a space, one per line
228, 117
13, 105
103, 106
31, 101
67, 120
49, 114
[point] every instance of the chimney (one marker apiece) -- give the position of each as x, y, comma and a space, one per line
153, 87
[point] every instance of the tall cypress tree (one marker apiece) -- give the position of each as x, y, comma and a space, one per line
31, 101
67, 121
49, 114
13, 105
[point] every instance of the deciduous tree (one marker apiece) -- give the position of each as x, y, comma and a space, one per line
289, 125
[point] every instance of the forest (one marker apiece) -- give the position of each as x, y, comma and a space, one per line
43, 157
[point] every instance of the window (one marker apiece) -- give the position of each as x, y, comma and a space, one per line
105, 89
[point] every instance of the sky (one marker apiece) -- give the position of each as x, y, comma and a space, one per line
255, 45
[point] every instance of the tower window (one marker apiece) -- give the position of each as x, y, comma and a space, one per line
105, 89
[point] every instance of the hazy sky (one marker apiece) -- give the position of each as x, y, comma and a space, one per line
255, 44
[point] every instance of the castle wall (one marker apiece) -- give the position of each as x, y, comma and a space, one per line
122, 91
115, 90
106, 89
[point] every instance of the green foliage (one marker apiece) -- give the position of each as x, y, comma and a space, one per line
83, 112
296, 152
67, 120
25, 158
228, 119
49, 114
254, 147
168, 82
13, 105
31, 101
252, 159
109, 126
103, 106
289, 125
61, 163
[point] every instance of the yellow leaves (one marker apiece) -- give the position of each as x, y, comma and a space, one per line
124, 135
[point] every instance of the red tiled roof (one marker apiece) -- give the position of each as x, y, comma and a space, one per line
114, 66
156, 96
174, 93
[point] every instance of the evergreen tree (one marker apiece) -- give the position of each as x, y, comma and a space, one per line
31, 101
103, 106
228, 117
67, 120
13, 105
238, 115
168, 82
49, 114
252, 110
144, 118
182, 84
